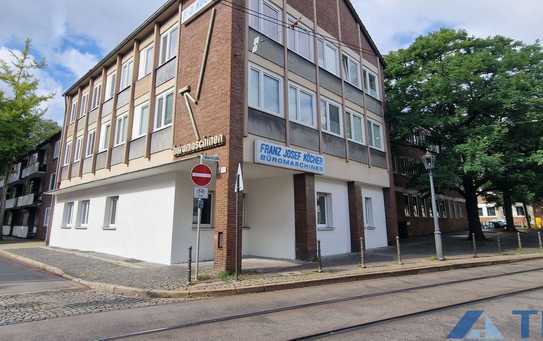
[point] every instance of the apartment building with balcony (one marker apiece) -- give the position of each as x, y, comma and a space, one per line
290, 89
28, 207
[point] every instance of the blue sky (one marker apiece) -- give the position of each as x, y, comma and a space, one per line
72, 35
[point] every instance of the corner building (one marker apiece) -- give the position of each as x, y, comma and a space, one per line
262, 83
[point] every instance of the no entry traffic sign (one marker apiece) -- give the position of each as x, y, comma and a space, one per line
201, 175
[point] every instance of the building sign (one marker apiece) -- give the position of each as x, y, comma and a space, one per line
196, 8
285, 157
206, 143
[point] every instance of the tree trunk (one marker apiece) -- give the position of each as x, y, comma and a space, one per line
527, 215
474, 223
508, 210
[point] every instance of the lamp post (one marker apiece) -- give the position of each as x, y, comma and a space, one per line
429, 161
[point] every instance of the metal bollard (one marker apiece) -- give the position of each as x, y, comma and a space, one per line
519, 242
474, 245
499, 237
362, 253
189, 275
398, 253
540, 240
319, 255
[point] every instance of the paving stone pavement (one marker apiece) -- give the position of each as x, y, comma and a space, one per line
48, 305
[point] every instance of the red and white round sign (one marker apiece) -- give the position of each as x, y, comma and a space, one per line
201, 175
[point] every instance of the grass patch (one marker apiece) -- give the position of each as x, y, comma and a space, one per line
225, 276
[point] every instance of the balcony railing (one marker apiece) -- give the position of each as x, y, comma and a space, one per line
11, 203
33, 168
26, 200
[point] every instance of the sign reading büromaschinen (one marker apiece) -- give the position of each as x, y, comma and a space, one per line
280, 156
209, 142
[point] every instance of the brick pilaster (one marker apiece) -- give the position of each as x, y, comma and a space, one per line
356, 214
305, 220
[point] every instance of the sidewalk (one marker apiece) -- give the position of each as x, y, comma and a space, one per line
129, 276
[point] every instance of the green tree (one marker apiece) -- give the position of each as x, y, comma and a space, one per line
464, 94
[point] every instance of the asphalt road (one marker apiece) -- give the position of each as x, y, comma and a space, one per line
422, 307
16, 278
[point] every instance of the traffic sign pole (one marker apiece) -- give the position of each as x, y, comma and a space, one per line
201, 176
200, 204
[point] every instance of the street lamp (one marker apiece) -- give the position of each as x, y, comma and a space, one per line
429, 161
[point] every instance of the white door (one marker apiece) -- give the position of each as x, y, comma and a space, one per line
375, 227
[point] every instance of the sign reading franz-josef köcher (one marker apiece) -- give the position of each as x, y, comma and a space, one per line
280, 156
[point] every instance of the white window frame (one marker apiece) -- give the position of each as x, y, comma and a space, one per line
145, 68
73, 111
112, 210
347, 70
327, 208
77, 151
168, 54
104, 137
324, 62
110, 85
96, 93
83, 214
371, 126
126, 74
56, 149
295, 34
292, 116
121, 127
46, 216
369, 217
258, 23
163, 95
83, 107
137, 124
350, 114
329, 102
52, 181
366, 81
68, 215
261, 73
89, 147
67, 151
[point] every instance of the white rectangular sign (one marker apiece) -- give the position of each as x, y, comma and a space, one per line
200, 192
285, 157
196, 8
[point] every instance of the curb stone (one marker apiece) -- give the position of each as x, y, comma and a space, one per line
235, 290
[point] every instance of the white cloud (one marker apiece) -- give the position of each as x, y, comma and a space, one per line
77, 62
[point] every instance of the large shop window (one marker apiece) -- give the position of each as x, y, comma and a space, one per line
369, 221
110, 85
375, 131
110, 217
355, 131
120, 129
206, 219
96, 93
164, 110
89, 148
331, 117
328, 56
67, 217
168, 45
83, 213
324, 210
126, 74
351, 70
301, 105
105, 131
269, 20
265, 91
300, 40
370, 83
146, 61
141, 118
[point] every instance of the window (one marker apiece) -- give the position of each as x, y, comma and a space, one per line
164, 110
89, 148
168, 45
77, 151
267, 22
126, 74
83, 108
52, 181
206, 218
104, 136
96, 93
146, 61
46, 216
355, 130
56, 149
265, 91
423, 207
300, 40
491, 211
520, 211
110, 220
331, 117
375, 135
67, 218
301, 106
83, 213
442, 210
120, 129
406, 207
351, 70
368, 212
481, 213
430, 208
370, 83
73, 112
141, 118
110, 86
328, 56
324, 210
67, 150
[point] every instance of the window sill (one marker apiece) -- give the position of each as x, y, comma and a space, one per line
134, 138
378, 149
370, 228
209, 228
66, 227
81, 227
333, 134
162, 128
375, 97
359, 87
165, 62
117, 145
144, 76
303, 124
280, 115
357, 142
326, 228
109, 228
302, 56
